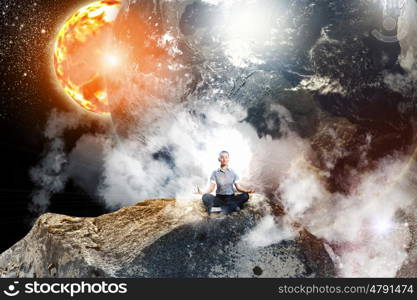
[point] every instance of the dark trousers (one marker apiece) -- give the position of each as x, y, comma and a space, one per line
228, 203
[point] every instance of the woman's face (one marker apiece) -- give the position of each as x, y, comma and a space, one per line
224, 159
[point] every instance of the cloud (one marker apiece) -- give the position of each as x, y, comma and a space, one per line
181, 150
401, 83
59, 122
407, 28
50, 176
363, 227
57, 166
322, 84
86, 160
269, 231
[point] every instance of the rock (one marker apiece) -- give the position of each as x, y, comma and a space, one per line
160, 238
409, 267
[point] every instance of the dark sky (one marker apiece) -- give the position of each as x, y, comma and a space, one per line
28, 94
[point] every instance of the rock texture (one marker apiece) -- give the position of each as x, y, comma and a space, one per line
162, 238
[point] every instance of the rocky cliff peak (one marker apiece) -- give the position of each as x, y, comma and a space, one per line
166, 238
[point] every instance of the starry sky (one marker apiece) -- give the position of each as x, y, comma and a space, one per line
28, 94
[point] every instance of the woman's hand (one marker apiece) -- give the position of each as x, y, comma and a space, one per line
251, 191
198, 191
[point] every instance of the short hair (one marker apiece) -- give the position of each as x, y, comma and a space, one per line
223, 152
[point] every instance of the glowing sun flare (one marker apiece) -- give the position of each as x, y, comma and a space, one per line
112, 59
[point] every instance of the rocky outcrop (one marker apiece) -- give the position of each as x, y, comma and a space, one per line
162, 238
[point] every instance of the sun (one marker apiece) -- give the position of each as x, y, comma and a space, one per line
84, 52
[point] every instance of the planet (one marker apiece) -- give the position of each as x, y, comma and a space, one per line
83, 53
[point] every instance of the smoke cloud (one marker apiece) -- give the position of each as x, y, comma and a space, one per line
181, 151
82, 164
50, 174
364, 227
269, 231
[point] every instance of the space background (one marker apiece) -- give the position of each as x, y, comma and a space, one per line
315, 101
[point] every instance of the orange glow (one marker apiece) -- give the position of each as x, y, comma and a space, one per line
83, 53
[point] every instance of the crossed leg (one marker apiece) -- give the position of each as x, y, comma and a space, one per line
235, 202
228, 203
209, 201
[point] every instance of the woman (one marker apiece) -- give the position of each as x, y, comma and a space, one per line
226, 180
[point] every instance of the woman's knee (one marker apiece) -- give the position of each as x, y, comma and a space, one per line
207, 198
245, 196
